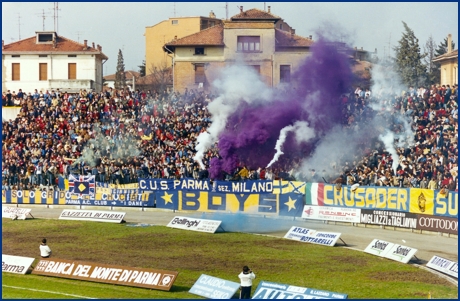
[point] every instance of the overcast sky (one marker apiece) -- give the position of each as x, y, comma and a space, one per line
121, 25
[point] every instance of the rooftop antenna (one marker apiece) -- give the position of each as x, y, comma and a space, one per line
78, 35
174, 9
55, 15
264, 7
226, 10
44, 17
19, 25
389, 46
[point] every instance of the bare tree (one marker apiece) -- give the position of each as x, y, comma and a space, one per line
160, 76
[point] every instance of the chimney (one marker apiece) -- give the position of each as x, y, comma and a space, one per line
175, 37
93, 44
311, 37
241, 8
268, 9
98, 47
361, 48
212, 14
292, 30
449, 43
85, 42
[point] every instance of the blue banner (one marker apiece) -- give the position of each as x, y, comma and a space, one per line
214, 288
253, 187
272, 290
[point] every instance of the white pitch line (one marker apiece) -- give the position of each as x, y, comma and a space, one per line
43, 291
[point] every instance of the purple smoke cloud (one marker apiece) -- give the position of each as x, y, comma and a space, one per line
313, 96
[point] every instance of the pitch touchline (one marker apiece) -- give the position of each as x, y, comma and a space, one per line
43, 291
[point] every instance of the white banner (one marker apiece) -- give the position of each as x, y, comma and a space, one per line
379, 247
16, 264
338, 214
194, 224
390, 250
444, 266
15, 212
93, 215
401, 253
312, 236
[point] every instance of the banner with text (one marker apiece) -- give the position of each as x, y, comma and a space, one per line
15, 212
113, 274
272, 290
312, 236
413, 200
16, 264
214, 288
389, 218
93, 215
437, 223
337, 214
390, 250
443, 265
194, 224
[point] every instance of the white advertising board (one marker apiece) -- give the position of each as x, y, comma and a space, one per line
326, 213
194, 224
379, 247
16, 264
15, 212
93, 215
312, 236
443, 265
401, 253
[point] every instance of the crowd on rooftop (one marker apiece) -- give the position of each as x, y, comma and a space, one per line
140, 134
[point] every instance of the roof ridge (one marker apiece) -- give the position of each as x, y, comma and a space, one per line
19, 41
199, 32
289, 33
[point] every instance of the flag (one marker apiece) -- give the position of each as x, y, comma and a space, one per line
82, 185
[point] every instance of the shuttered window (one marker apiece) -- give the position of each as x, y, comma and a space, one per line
16, 75
72, 72
285, 73
199, 73
43, 71
248, 43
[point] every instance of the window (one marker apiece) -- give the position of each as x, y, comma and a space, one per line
199, 74
15, 55
256, 68
72, 55
285, 73
43, 71
281, 26
72, 71
248, 44
199, 51
45, 37
175, 22
16, 74
42, 55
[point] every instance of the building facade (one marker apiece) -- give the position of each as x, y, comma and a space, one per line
255, 38
48, 61
449, 64
158, 35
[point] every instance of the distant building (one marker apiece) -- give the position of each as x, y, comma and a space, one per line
158, 35
48, 61
449, 64
255, 37
131, 78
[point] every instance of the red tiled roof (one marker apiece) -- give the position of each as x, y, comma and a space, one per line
212, 36
255, 14
62, 45
286, 39
128, 75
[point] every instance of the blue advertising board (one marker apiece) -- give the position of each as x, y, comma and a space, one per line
214, 288
272, 290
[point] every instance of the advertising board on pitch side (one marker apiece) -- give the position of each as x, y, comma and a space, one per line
326, 213
214, 288
390, 250
16, 264
272, 290
10, 212
312, 236
443, 265
194, 224
113, 274
93, 215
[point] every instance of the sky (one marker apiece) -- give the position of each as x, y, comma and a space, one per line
121, 25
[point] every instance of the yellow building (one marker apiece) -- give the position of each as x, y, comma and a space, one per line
449, 64
158, 35
255, 37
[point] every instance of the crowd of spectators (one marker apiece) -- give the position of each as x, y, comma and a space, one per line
153, 134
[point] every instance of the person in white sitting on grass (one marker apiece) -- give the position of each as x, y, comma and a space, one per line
45, 250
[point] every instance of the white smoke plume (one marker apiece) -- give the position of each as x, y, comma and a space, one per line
302, 134
235, 85
388, 141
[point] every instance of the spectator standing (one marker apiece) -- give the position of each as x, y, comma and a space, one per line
246, 277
